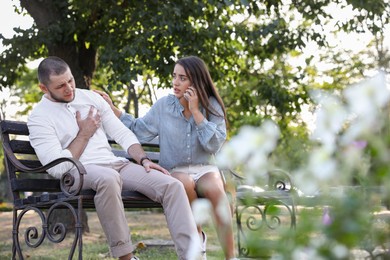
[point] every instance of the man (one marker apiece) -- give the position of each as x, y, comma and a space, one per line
70, 122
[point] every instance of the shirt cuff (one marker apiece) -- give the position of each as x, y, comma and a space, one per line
202, 124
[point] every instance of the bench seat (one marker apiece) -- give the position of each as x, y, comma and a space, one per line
34, 189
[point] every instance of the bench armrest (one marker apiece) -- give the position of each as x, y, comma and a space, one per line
236, 176
67, 180
278, 179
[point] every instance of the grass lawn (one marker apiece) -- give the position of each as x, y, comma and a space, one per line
145, 226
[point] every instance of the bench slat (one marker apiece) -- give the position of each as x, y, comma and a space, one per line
31, 163
14, 127
131, 199
23, 185
21, 146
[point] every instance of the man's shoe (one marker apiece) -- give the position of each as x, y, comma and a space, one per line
134, 258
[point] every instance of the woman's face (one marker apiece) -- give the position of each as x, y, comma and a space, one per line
180, 81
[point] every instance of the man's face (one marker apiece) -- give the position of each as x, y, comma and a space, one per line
61, 87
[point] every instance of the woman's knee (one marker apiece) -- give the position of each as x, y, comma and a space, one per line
185, 179
188, 184
210, 185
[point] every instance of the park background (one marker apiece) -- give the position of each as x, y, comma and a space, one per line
270, 59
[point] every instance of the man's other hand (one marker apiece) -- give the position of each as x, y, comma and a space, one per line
147, 164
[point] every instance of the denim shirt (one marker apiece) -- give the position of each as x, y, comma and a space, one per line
182, 142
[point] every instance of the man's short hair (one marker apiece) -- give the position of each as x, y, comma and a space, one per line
49, 66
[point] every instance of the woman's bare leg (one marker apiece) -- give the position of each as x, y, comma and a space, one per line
211, 187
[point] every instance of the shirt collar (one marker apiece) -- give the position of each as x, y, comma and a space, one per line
174, 104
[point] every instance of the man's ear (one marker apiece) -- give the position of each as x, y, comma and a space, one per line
43, 88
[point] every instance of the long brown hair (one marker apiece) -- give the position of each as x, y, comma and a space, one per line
197, 71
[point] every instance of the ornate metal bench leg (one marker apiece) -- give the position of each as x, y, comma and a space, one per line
58, 233
293, 214
79, 228
257, 215
32, 238
239, 232
14, 233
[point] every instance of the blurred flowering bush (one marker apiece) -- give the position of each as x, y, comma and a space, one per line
346, 172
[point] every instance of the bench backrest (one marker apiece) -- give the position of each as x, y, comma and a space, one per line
20, 158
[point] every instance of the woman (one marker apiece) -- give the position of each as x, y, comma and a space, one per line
191, 126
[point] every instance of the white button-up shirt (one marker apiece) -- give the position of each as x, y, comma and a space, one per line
53, 126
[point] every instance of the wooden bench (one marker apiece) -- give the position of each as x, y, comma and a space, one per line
26, 175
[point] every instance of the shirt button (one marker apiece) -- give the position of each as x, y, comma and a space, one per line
188, 134
188, 146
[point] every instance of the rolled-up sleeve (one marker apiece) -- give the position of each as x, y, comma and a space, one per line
212, 134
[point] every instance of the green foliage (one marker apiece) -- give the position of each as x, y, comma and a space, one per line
247, 45
344, 173
28, 90
292, 149
4, 206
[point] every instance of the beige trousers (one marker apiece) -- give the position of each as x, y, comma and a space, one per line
108, 181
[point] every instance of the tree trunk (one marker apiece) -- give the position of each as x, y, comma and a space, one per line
70, 46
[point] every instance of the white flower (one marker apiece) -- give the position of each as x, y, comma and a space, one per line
250, 144
330, 119
340, 251
356, 129
365, 101
306, 253
223, 210
306, 182
270, 135
353, 154
366, 97
238, 149
322, 165
201, 209
226, 158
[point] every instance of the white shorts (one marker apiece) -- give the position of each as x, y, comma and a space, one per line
195, 171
